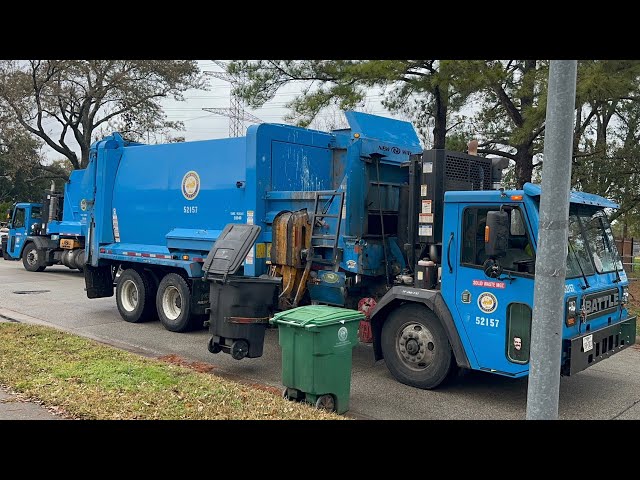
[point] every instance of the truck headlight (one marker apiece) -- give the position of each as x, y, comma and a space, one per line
625, 295
572, 307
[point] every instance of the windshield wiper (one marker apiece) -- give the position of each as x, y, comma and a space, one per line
586, 282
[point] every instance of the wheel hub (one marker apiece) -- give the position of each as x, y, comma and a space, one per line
416, 346
129, 295
32, 257
413, 347
239, 349
172, 302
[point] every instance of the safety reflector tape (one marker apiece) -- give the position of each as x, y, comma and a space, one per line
138, 254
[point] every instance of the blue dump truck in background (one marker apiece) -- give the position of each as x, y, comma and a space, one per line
439, 258
51, 232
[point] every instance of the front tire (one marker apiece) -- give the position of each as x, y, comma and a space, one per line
33, 258
415, 347
134, 297
173, 302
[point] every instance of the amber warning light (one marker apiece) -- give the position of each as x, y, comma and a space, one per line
516, 197
486, 234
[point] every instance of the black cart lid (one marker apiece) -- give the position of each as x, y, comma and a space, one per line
231, 248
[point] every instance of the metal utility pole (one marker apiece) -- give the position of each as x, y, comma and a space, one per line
236, 113
551, 261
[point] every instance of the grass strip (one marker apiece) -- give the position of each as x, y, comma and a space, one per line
89, 380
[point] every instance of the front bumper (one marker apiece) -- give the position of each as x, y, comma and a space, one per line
606, 342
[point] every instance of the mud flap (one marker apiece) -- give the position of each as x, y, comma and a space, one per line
98, 281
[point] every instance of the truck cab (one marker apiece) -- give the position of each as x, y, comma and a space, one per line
478, 314
51, 232
25, 220
492, 289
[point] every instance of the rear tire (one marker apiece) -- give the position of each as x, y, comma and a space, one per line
415, 347
173, 302
134, 297
33, 258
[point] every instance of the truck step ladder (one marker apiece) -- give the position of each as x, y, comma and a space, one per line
321, 241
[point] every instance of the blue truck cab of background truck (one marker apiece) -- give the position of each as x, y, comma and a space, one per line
53, 231
440, 260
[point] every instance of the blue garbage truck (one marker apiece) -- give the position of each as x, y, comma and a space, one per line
425, 242
50, 232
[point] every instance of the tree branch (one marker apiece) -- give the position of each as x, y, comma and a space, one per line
508, 105
492, 151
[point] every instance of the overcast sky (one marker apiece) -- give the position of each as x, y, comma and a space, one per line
201, 125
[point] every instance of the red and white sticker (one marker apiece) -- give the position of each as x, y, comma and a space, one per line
488, 284
425, 217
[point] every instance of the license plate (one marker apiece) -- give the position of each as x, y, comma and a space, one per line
587, 343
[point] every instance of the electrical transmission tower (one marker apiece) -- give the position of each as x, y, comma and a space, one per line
236, 112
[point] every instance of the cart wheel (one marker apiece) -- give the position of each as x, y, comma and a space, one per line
292, 394
214, 347
239, 349
286, 396
326, 402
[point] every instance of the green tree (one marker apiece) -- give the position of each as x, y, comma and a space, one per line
607, 134
428, 91
22, 175
507, 101
78, 97
512, 106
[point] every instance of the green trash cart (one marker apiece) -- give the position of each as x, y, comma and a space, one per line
317, 343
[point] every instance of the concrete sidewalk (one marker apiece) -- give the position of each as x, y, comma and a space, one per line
13, 408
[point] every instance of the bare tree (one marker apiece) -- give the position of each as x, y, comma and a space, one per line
59, 100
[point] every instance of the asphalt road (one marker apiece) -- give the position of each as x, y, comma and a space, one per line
608, 390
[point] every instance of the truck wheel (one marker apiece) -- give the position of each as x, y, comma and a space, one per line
134, 297
33, 258
415, 347
173, 302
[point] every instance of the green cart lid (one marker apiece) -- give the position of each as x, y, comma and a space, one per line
317, 316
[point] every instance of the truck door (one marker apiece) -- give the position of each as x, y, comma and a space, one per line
17, 231
496, 312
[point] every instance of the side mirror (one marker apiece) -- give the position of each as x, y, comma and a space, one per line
496, 234
492, 268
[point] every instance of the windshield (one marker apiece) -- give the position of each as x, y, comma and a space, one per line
577, 256
603, 251
591, 243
